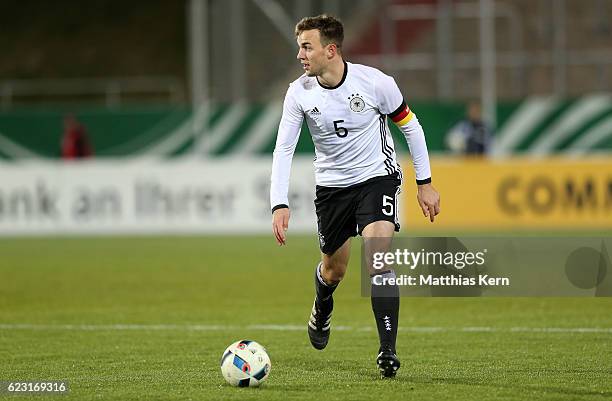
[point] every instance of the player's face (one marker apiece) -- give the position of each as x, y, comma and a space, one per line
312, 54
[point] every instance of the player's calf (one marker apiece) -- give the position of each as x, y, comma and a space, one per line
385, 305
319, 323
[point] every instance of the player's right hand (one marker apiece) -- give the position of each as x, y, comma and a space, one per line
280, 224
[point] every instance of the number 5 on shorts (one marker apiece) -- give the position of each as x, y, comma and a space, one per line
388, 203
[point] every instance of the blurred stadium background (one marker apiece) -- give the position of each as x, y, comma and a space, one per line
180, 101
170, 93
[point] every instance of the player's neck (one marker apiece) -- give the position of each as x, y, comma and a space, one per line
333, 73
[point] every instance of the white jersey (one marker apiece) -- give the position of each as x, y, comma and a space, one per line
348, 124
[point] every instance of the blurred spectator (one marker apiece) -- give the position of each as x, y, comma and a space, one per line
470, 136
75, 143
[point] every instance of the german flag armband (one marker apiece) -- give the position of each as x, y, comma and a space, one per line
402, 115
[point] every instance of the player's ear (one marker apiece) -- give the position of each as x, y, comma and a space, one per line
332, 50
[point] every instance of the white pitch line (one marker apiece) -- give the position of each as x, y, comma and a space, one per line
293, 327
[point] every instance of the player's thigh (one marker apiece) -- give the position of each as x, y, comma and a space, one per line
335, 265
377, 238
379, 229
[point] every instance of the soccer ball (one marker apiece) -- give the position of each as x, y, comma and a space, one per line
245, 363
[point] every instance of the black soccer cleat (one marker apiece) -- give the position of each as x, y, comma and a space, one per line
319, 326
387, 362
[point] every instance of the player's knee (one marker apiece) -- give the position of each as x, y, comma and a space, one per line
333, 272
336, 276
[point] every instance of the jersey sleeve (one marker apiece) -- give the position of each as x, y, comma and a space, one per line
391, 103
286, 141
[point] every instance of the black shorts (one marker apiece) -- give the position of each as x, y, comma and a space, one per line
344, 212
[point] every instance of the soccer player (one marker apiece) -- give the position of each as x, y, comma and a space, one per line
358, 178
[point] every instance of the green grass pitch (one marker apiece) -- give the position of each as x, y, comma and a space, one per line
148, 319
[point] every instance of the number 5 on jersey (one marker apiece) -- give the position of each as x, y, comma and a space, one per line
340, 129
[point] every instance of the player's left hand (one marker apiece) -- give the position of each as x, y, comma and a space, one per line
429, 200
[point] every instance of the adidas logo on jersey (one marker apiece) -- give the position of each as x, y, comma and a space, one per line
315, 112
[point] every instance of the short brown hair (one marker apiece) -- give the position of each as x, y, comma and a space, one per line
330, 28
